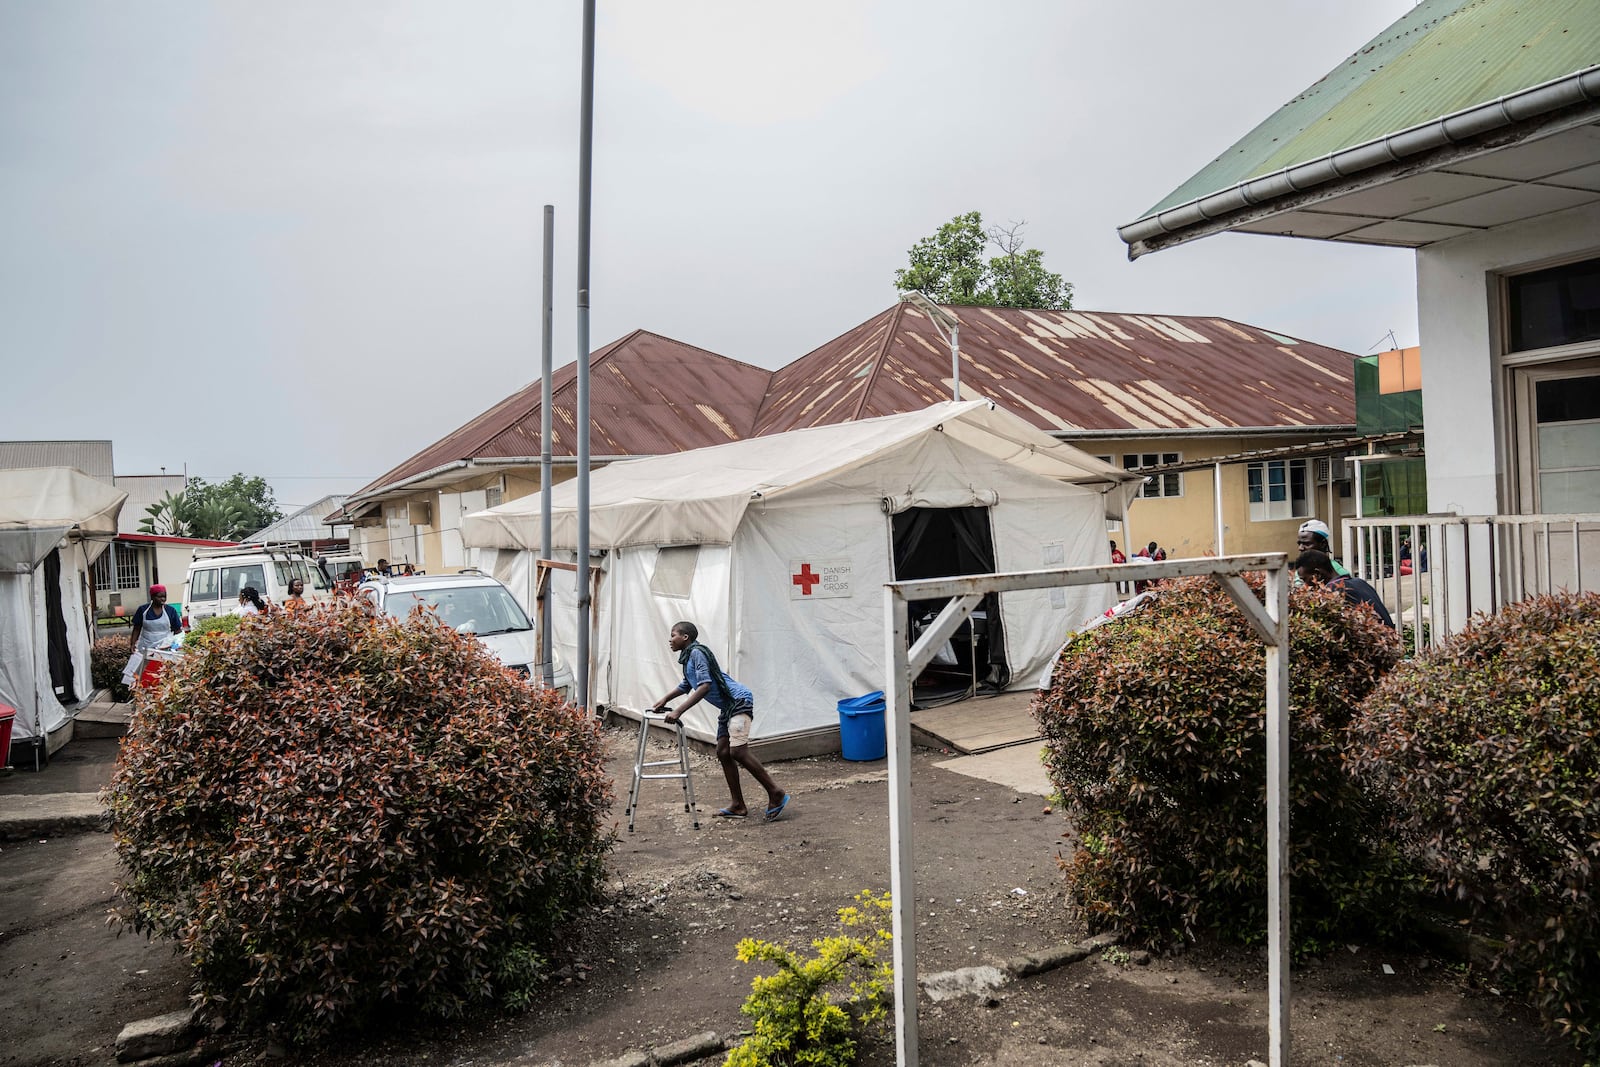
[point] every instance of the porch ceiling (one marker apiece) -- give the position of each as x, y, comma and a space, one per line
1478, 192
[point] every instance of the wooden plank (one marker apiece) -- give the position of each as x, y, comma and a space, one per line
979, 725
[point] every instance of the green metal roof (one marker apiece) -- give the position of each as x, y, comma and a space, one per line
1441, 57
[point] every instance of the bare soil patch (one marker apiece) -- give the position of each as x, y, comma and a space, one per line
657, 962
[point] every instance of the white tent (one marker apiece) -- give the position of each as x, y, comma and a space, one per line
778, 548
48, 516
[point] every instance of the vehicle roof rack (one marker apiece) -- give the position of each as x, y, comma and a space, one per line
247, 548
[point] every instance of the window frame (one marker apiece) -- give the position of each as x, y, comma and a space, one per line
1519, 373
1264, 510
1159, 483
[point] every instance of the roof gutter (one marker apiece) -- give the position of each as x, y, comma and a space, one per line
1135, 433
362, 500
1258, 197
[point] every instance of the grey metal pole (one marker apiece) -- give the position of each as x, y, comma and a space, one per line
1277, 604
955, 363
546, 358
1216, 504
902, 853
585, 167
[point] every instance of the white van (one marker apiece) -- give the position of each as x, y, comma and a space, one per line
217, 574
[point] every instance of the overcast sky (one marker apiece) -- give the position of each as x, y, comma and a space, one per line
302, 239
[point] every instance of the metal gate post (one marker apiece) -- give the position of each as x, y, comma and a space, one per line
1278, 818
897, 704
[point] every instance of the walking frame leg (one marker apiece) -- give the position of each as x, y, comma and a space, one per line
638, 769
688, 779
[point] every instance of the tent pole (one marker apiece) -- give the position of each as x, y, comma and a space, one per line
545, 456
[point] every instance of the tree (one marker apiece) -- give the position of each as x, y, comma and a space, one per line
238, 507
166, 517
949, 268
226, 511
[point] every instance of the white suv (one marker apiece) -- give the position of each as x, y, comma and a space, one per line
217, 574
476, 604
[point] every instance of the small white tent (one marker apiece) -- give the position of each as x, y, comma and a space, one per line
778, 548
47, 517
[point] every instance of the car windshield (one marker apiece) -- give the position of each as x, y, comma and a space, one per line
478, 609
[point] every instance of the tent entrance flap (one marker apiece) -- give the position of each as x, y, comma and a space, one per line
946, 543
58, 648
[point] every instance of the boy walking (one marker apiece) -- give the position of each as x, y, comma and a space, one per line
704, 680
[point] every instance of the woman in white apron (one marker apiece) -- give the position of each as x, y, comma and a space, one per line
154, 626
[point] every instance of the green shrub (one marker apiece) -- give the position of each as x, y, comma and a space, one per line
344, 819
216, 624
797, 1021
1155, 737
1492, 743
108, 656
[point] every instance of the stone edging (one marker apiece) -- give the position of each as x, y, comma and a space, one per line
709, 1043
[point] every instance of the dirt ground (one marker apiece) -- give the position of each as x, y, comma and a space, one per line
658, 964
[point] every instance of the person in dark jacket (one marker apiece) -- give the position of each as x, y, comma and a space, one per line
1316, 568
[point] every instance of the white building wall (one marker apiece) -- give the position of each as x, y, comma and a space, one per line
1457, 312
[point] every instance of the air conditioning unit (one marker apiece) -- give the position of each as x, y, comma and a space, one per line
419, 513
1335, 468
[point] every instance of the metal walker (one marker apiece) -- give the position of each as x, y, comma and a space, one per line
641, 765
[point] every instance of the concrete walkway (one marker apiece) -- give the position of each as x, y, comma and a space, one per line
63, 797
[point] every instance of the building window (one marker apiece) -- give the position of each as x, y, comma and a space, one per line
1279, 489
127, 574
1559, 404
1167, 484
1552, 340
1558, 306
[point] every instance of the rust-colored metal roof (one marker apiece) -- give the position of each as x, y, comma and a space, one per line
1071, 370
648, 395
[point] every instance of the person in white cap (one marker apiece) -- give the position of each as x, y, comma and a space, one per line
1313, 537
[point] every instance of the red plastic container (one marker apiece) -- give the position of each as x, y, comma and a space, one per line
8, 715
151, 675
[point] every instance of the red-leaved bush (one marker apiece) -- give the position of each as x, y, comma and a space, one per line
1492, 744
1155, 736
341, 817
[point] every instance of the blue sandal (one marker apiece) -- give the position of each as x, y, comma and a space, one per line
777, 809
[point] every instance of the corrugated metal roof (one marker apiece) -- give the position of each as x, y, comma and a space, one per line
91, 457
1441, 57
304, 525
144, 490
1070, 370
648, 395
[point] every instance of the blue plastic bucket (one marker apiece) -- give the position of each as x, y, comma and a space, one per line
861, 730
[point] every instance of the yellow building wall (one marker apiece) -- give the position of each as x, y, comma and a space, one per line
1185, 525
518, 482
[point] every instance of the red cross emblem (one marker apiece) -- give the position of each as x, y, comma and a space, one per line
805, 579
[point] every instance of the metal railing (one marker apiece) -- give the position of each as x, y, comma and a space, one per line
905, 659
1435, 572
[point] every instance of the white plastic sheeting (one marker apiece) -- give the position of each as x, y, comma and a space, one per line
754, 510
42, 509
